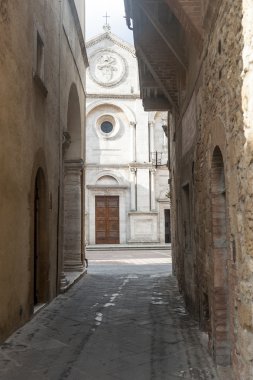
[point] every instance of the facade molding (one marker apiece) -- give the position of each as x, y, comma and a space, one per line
112, 96
113, 38
102, 187
127, 111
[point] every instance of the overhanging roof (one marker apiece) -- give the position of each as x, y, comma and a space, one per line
162, 29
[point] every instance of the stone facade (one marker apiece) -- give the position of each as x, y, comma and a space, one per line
210, 163
42, 69
120, 162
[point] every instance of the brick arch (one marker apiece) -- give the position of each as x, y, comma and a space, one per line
219, 282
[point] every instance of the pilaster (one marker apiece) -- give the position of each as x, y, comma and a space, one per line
73, 211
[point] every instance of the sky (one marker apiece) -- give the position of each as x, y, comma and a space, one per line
96, 9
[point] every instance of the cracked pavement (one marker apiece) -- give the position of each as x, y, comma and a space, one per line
124, 320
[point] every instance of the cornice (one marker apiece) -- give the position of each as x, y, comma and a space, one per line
112, 96
106, 187
79, 31
99, 166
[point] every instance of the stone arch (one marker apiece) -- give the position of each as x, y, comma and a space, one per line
73, 244
127, 111
158, 114
74, 130
220, 289
107, 180
41, 240
108, 173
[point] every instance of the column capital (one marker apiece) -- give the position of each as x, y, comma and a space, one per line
74, 164
132, 169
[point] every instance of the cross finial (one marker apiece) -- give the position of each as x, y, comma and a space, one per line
106, 27
106, 17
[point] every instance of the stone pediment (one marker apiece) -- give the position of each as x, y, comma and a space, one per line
113, 38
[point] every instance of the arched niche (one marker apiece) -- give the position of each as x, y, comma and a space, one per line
74, 130
220, 290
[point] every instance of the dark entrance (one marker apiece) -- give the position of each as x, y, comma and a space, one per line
107, 219
167, 226
40, 262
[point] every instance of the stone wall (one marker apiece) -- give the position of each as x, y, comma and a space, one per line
216, 279
210, 160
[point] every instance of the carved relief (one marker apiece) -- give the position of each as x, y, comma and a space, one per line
107, 65
107, 68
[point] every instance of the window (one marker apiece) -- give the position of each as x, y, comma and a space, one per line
106, 127
40, 57
38, 62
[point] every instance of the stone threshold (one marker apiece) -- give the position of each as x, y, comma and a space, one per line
72, 278
39, 307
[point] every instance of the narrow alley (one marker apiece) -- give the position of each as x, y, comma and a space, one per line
124, 320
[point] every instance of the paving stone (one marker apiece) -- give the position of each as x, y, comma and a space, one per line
121, 321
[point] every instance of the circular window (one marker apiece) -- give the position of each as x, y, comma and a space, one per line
106, 127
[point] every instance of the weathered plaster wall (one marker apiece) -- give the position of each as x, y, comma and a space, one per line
32, 117
28, 131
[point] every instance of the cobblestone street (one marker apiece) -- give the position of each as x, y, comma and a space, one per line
124, 320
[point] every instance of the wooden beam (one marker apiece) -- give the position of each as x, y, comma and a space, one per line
185, 21
148, 81
156, 104
164, 34
159, 82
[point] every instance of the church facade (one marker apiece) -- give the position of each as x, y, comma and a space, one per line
127, 191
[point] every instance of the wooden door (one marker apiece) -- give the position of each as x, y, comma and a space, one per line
167, 226
107, 219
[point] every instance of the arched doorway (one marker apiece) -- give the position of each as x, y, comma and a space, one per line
219, 292
73, 186
41, 259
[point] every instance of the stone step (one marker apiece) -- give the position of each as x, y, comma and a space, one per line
124, 247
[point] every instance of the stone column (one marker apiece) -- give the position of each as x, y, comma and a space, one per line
133, 188
152, 189
151, 128
72, 249
133, 139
